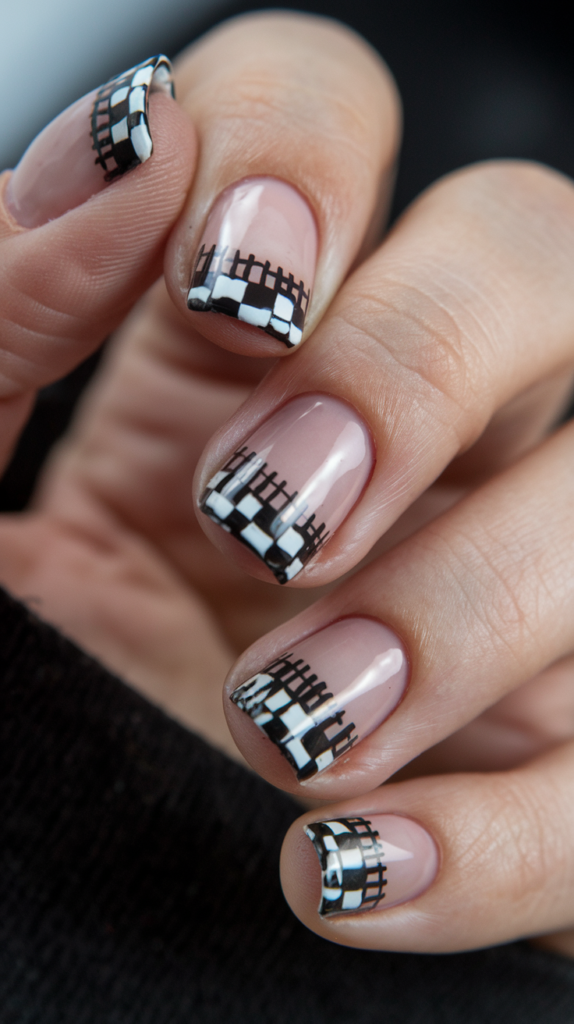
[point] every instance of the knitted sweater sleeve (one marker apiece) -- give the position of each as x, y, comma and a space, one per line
139, 883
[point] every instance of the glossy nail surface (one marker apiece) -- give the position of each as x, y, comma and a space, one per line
256, 260
97, 139
372, 862
284, 492
330, 691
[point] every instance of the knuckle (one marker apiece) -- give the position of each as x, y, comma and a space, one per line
494, 587
509, 839
424, 341
523, 184
36, 340
264, 94
519, 212
448, 299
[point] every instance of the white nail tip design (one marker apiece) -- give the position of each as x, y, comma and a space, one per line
283, 536
293, 708
224, 281
120, 123
352, 859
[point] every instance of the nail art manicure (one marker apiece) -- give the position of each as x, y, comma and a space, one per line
367, 860
293, 482
331, 691
120, 121
97, 139
256, 260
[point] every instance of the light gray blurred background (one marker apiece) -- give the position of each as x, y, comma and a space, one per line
54, 51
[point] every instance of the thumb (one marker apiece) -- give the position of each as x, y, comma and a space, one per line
81, 239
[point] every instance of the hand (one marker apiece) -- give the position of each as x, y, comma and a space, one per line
447, 354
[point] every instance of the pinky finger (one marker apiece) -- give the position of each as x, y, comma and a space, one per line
440, 864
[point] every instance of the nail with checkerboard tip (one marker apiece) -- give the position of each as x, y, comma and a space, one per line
92, 143
371, 862
256, 259
286, 489
320, 699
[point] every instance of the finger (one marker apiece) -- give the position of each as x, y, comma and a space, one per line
475, 604
75, 252
298, 124
532, 719
433, 334
446, 863
513, 430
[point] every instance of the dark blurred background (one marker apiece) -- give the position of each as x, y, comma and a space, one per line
478, 80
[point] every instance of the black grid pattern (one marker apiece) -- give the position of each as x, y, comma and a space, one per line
351, 854
224, 281
253, 504
287, 702
120, 125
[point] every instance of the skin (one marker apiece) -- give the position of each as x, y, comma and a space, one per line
460, 327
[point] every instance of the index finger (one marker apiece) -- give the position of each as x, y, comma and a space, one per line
298, 120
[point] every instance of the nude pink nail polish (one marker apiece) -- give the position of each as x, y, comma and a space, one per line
256, 259
329, 692
97, 139
292, 483
372, 862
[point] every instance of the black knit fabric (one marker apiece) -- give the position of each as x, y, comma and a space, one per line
139, 884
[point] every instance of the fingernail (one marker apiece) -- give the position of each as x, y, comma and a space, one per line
374, 862
94, 141
256, 260
285, 491
330, 692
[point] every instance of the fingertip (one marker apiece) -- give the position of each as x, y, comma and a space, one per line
343, 873
302, 701
175, 143
254, 264
72, 279
224, 331
289, 483
300, 873
98, 142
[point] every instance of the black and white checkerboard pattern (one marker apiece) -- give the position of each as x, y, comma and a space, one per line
224, 281
350, 853
288, 703
120, 125
253, 505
